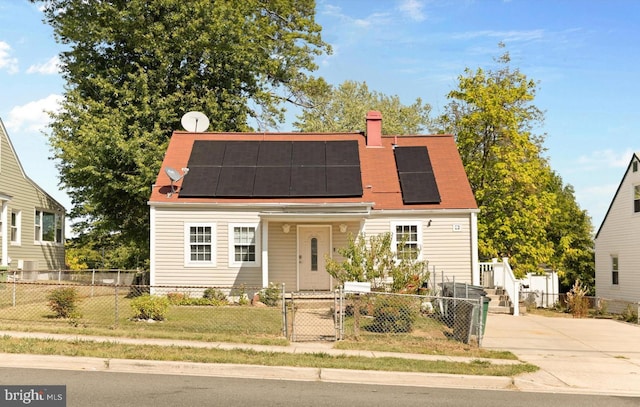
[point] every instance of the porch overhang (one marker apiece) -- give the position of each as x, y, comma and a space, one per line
325, 212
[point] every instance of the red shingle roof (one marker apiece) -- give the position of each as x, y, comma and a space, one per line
380, 183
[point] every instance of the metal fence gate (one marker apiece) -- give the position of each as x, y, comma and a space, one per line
312, 316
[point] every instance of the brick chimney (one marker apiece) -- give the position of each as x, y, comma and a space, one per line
374, 129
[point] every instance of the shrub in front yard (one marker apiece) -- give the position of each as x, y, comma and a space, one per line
393, 315
270, 296
64, 302
150, 307
215, 296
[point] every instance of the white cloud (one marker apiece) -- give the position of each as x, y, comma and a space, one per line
51, 67
413, 9
606, 158
34, 115
6, 60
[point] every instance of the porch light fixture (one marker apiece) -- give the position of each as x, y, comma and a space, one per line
286, 228
343, 228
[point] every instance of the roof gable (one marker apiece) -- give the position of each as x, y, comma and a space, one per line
634, 158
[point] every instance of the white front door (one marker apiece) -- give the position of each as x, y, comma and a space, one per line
313, 245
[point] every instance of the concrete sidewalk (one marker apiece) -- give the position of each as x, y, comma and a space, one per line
589, 356
581, 356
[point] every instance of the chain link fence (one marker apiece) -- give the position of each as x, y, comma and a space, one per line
107, 302
601, 307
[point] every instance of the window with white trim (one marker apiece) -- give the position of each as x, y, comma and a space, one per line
48, 227
636, 198
615, 268
200, 244
407, 240
15, 227
244, 248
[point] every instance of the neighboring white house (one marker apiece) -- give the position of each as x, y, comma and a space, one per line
31, 221
617, 243
261, 208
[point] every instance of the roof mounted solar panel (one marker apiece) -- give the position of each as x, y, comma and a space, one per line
241, 153
202, 182
236, 182
309, 153
207, 153
272, 182
342, 153
344, 181
275, 153
417, 180
273, 169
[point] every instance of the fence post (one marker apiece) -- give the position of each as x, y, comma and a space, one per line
116, 304
15, 280
284, 312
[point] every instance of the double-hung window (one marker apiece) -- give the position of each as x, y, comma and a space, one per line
614, 270
200, 244
407, 240
48, 227
15, 227
636, 199
244, 248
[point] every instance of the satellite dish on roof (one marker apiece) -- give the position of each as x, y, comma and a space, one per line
195, 122
174, 176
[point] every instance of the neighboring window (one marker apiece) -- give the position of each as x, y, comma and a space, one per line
48, 227
614, 270
314, 254
636, 199
406, 240
635, 166
243, 247
15, 227
200, 244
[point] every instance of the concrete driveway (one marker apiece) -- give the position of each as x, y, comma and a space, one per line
584, 355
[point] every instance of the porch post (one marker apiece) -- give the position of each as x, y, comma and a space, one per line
265, 253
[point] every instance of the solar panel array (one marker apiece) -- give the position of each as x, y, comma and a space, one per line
273, 169
417, 180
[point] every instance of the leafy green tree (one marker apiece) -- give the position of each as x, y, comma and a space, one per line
343, 109
571, 232
492, 116
133, 68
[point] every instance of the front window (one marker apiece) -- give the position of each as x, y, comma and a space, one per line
243, 248
614, 270
200, 244
636, 199
48, 227
407, 241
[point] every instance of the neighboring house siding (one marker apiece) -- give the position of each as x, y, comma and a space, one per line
619, 236
26, 198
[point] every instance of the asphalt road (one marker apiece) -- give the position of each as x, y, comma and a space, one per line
101, 389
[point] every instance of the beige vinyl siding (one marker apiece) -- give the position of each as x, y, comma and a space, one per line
283, 256
447, 250
620, 236
170, 240
26, 197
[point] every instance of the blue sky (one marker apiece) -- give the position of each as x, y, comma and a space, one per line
584, 54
